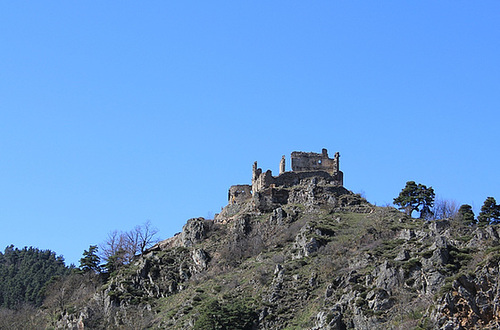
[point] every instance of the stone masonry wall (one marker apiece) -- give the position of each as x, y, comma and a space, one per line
239, 193
311, 161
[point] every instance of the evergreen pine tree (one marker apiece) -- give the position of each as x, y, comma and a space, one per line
90, 261
415, 197
490, 212
466, 215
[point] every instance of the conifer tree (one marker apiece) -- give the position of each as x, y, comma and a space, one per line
490, 212
90, 261
466, 215
415, 197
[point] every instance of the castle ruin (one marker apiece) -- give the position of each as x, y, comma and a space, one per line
305, 166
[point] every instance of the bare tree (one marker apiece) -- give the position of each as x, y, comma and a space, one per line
142, 237
115, 245
24, 317
123, 246
445, 208
70, 290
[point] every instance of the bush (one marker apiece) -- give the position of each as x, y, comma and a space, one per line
412, 263
234, 314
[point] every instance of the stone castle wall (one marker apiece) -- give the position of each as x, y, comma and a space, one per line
311, 161
239, 193
305, 165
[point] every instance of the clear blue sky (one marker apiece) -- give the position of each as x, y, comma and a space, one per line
113, 113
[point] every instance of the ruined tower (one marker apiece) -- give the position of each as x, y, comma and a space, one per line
311, 161
282, 165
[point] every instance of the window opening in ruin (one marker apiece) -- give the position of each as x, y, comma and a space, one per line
319, 161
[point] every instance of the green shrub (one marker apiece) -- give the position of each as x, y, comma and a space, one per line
412, 263
360, 302
427, 254
234, 314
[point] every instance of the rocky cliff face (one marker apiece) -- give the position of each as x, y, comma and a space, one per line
325, 259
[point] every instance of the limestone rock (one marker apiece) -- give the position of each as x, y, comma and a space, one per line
305, 243
200, 259
403, 255
194, 231
330, 319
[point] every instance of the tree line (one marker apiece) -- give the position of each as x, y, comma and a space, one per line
420, 198
24, 274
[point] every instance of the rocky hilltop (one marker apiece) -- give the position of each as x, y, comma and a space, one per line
303, 252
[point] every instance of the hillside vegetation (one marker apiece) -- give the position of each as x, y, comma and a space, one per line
329, 261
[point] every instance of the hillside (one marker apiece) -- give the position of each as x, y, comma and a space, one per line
293, 251
330, 260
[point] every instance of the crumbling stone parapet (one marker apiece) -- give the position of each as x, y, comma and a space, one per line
311, 161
